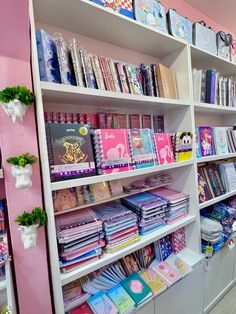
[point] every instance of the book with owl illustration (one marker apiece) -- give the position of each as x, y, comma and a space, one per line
47, 57
112, 150
70, 151
220, 141
206, 140
142, 148
164, 148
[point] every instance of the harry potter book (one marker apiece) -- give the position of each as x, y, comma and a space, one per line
70, 151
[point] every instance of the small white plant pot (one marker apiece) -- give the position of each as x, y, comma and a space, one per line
22, 175
29, 236
15, 109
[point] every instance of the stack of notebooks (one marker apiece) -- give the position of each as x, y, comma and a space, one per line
80, 239
107, 120
73, 295
143, 153
119, 225
73, 65
177, 203
151, 210
215, 141
112, 150
211, 87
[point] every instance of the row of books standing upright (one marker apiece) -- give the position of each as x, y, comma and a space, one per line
60, 62
73, 153
209, 86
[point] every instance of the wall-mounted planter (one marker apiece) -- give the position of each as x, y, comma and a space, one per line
29, 236
15, 109
23, 176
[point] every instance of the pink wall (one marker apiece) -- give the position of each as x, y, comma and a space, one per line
30, 266
194, 15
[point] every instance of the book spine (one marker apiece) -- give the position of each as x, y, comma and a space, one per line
154, 78
74, 50
109, 74
222, 190
213, 87
97, 72
114, 75
160, 82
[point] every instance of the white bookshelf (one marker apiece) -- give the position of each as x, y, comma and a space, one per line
121, 38
1, 174
217, 199
215, 158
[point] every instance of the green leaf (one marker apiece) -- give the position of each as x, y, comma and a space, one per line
21, 93
37, 216
22, 160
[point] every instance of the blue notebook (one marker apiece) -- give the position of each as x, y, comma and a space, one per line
101, 304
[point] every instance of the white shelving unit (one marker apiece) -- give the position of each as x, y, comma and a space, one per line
121, 38
1, 174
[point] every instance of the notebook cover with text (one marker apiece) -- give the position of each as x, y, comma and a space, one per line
70, 151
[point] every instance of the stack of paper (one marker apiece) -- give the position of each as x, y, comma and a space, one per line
80, 238
151, 210
119, 225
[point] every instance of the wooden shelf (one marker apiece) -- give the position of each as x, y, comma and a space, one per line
60, 93
205, 60
120, 175
109, 258
217, 199
1, 174
117, 29
215, 157
213, 109
113, 198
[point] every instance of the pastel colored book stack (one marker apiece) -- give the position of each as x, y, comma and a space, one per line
112, 150
152, 211
137, 288
164, 148
70, 151
142, 148
178, 203
119, 224
80, 238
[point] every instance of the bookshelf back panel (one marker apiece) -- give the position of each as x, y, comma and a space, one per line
177, 61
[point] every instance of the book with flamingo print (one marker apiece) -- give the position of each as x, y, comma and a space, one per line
164, 148
112, 150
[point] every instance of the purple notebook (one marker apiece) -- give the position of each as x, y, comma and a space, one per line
206, 140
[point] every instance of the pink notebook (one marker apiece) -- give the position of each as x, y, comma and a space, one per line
112, 150
170, 195
164, 148
167, 272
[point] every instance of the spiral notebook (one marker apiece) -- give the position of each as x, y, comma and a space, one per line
112, 151
142, 148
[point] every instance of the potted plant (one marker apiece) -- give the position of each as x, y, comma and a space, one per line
22, 169
15, 101
29, 224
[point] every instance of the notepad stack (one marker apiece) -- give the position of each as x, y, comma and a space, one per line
177, 203
119, 225
151, 210
80, 239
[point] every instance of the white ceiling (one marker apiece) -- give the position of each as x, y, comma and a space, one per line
222, 11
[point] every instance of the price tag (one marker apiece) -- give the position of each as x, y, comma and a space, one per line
231, 244
209, 251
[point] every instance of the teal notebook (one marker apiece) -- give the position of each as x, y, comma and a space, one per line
121, 299
137, 288
100, 303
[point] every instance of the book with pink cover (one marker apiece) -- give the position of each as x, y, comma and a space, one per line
112, 150
170, 195
166, 271
164, 148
